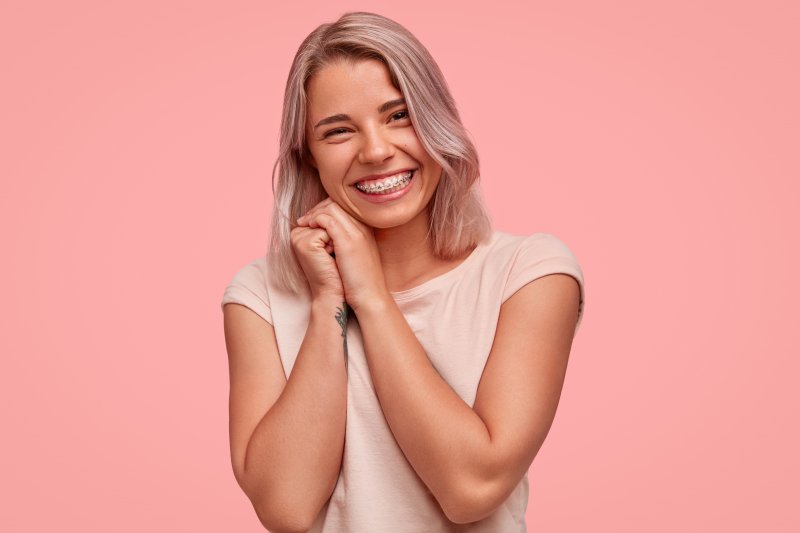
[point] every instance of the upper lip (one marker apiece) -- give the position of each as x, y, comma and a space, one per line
384, 175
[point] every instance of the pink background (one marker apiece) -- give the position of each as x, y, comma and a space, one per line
659, 140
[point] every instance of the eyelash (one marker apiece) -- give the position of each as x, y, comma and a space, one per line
333, 132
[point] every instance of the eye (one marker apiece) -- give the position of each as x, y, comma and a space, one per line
403, 112
333, 132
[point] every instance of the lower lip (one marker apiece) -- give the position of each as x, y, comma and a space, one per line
381, 198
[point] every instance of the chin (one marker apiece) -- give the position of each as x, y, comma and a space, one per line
383, 223
388, 220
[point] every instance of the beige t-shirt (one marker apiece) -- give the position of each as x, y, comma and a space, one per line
454, 316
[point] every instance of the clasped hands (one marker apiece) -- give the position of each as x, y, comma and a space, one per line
354, 272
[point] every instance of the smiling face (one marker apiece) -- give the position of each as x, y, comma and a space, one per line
358, 130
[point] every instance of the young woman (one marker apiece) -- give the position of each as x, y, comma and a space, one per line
395, 364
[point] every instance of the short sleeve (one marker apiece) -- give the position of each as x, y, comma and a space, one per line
249, 288
539, 255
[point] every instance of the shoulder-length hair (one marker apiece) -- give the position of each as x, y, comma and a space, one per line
457, 218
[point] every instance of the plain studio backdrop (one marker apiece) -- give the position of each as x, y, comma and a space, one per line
658, 140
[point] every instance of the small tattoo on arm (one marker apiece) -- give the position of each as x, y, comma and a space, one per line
341, 318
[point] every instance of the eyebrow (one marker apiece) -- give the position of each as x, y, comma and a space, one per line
340, 117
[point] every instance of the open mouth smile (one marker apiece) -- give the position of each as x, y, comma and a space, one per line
385, 185
386, 189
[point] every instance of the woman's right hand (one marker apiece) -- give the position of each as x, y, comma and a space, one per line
312, 247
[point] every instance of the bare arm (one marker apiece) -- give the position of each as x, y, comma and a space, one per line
287, 436
472, 458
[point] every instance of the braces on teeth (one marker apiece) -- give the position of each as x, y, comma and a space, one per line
394, 182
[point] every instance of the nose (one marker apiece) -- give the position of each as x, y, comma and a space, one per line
376, 147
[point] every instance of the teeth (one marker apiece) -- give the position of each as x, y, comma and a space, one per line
389, 183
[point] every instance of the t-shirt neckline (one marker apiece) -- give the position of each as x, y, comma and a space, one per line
432, 283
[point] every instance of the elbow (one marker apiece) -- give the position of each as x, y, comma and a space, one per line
472, 503
282, 517
286, 522
279, 510
284, 509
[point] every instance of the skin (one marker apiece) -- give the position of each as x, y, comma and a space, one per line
471, 458
372, 143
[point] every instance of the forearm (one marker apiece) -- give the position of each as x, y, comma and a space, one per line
444, 440
295, 454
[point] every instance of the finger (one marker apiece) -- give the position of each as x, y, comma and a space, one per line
321, 235
320, 204
301, 220
335, 219
353, 225
305, 233
323, 221
341, 230
310, 238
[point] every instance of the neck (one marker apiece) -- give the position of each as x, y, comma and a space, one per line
406, 254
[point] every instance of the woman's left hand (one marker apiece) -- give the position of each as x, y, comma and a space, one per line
355, 250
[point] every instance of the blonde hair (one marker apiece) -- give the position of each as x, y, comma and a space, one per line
457, 219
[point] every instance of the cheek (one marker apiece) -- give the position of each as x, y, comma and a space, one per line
329, 169
332, 187
334, 163
413, 147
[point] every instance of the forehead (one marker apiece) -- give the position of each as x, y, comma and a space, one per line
347, 87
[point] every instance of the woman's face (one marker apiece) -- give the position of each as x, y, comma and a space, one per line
358, 130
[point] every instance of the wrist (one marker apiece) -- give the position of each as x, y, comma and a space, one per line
374, 305
326, 301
